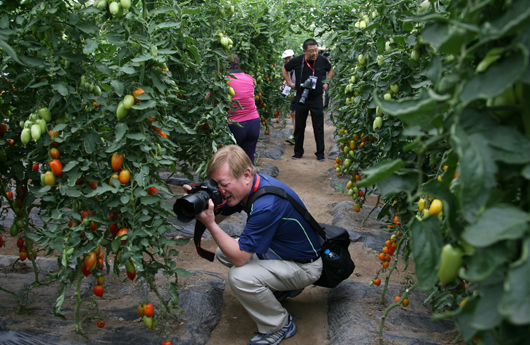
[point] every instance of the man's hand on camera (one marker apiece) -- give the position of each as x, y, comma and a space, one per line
207, 217
187, 188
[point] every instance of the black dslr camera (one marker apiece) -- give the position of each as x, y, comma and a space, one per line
187, 207
310, 83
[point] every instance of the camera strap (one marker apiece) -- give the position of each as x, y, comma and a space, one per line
308, 65
200, 228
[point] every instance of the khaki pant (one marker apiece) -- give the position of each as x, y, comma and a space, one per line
255, 282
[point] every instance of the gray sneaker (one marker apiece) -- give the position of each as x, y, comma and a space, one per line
275, 338
290, 140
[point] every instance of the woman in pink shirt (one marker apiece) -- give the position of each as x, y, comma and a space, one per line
247, 116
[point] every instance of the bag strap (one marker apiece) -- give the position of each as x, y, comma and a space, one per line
283, 194
200, 228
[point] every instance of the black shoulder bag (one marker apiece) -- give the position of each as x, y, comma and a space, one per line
336, 239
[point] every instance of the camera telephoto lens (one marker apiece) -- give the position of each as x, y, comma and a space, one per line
187, 207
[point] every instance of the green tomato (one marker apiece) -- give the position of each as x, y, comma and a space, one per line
35, 132
347, 162
45, 114
387, 97
121, 112
25, 136
415, 55
451, 261
125, 4
130, 267
128, 102
13, 230
394, 88
148, 321
114, 8
378, 122
491, 56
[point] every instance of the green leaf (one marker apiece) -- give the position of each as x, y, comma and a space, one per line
62, 88
118, 87
59, 300
149, 200
121, 129
496, 224
70, 191
195, 53
124, 199
508, 145
90, 46
415, 111
477, 170
397, 183
32, 62
9, 51
500, 75
380, 171
183, 273
486, 315
448, 39
426, 248
145, 105
517, 13
515, 304
91, 140
88, 28
485, 261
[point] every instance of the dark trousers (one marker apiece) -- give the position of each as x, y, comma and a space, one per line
317, 118
247, 136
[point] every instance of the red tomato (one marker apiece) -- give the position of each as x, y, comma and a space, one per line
9, 195
93, 226
1, 241
85, 270
148, 310
57, 167
20, 242
166, 342
85, 214
116, 161
35, 167
23, 256
151, 190
93, 185
98, 290
113, 228
113, 216
101, 323
377, 281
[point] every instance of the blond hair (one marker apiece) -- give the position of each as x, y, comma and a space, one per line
237, 159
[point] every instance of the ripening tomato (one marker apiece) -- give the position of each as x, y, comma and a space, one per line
100, 280
93, 185
357, 207
436, 207
1, 241
131, 275
101, 323
140, 310
397, 298
377, 281
385, 263
148, 310
20, 242
9, 195
137, 93
93, 225
117, 161
90, 260
85, 270
382, 256
49, 178
54, 153
57, 167
405, 302
98, 290
23, 256
125, 176
122, 232
151, 190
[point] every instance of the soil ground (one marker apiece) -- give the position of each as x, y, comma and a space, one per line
311, 180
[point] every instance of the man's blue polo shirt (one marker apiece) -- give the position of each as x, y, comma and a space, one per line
274, 229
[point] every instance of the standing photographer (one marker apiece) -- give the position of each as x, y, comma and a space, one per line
278, 251
311, 69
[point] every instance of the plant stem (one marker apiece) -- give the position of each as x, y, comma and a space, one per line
78, 300
373, 209
387, 310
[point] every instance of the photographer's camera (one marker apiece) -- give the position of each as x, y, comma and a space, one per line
189, 206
